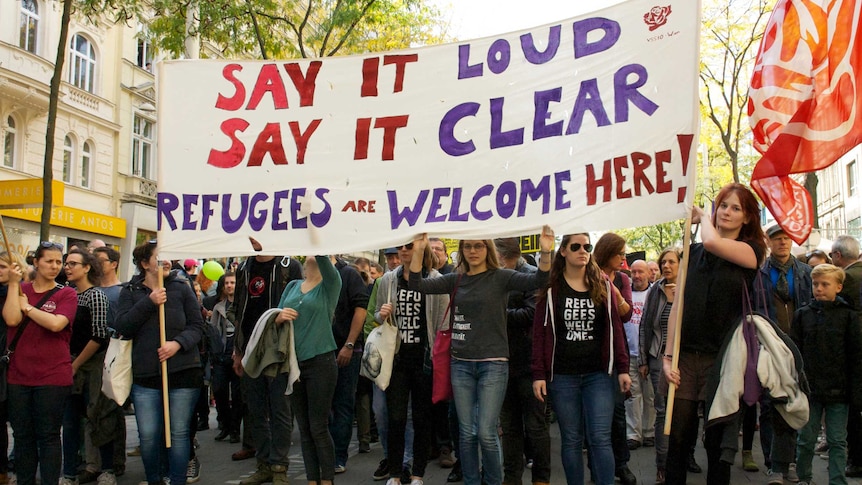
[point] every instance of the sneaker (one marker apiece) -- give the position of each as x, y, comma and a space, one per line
262, 475
340, 469
692, 465
392, 481
417, 481
68, 481
633, 444
774, 478
748, 463
382, 472
791, 475
193, 472
364, 447
446, 460
822, 447
195, 443
136, 451
106, 478
660, 477
279, 475
530, 464
649, 442
455, 475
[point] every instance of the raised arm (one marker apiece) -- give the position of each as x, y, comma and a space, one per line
737, 252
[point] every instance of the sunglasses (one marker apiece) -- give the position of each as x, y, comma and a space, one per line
407, 246
575, 247
51, 245
474, 247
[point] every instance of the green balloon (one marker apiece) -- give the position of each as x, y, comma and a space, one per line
213, 270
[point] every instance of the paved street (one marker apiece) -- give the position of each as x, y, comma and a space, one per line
217, 467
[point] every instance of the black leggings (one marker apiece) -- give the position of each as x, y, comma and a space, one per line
683, 436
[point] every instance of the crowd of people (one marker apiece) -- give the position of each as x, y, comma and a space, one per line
577, 335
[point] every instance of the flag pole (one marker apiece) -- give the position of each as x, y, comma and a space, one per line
678, 304
8, 249
162, 340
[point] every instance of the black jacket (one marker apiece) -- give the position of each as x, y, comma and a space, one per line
829, 335
138, 318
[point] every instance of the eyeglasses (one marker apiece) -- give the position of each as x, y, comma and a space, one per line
51, 245
407, 246
72, 264
474, 247
575, 247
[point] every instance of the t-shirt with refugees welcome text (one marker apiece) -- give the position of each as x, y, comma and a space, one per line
580, 327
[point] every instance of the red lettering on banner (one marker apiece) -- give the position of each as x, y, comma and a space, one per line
304, 84
268, 142
389, 124
622, 180
269, 80
371, 70
359, 206
234, 102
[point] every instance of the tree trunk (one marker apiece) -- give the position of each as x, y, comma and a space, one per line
48, 165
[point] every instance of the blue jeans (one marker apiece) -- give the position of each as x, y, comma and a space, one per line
656, 375
311, 400
479, 389
36, 414
836, 435
150, 416
381, 416
341, 419
271, 417
585, 400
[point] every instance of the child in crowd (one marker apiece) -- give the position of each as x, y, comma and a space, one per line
829, 335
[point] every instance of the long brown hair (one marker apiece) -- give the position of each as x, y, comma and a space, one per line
491, 260
750, 231
593, 274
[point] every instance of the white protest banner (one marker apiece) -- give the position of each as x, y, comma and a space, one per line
585, 124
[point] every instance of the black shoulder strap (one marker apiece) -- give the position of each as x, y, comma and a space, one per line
23, 324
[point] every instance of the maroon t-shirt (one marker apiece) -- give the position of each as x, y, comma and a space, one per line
41, 356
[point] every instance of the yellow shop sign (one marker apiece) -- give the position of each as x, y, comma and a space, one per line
72, 218
16, 194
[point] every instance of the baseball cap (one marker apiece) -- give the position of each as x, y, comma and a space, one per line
190, 263
390, 251
773, 230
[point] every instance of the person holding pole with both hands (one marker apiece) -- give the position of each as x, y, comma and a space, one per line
138, 318
480, 347
720, 269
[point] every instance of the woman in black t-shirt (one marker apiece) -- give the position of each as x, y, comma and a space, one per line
719, 269
578, 345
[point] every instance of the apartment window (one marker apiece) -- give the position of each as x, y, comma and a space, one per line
852, 179
145, 49
68, 159
29, 25
142, 147
82, 63
9, 143
86, 164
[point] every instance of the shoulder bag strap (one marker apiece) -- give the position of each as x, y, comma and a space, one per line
452, 301
23, 325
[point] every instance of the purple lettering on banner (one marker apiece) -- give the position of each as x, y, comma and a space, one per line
207, 210
435, 205
560, 203
499, 55
465, 70
582, 29
588, 99
625, 92
456, 204
257, 219
295, 208
507, 196
500, 138
446, 135
534, 192
408, 214
320, 219
542, 100
484, 191
229, 225
189, 201
533, 55
277, 223
167, 203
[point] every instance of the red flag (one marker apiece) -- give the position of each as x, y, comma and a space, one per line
804, 103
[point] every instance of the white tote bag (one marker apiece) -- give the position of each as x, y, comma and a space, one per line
117, 374
379, 354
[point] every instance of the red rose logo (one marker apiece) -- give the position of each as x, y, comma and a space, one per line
656, 17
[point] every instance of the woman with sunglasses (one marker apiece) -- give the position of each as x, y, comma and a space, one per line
653, 333
720, 269
88, 344
137, 317
580, 357
40, 371
480, 346
417, 317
